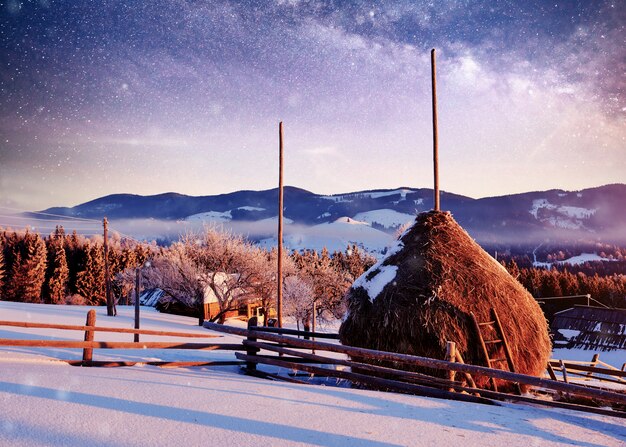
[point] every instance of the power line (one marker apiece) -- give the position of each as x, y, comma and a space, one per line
49, 214
39, 219
89, 233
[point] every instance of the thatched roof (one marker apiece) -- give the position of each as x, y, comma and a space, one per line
421, 294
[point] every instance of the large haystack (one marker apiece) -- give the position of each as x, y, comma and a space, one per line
422, 293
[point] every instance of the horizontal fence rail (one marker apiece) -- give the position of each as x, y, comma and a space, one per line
282, 331
89, 344
580, 366
26, 324
419, 378
288, 353
120, 344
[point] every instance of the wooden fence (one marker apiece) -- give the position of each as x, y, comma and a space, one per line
288, 351
88, 345
397, 379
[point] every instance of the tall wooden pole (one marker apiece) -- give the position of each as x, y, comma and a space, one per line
137, 295
107, 279
433, 72
279, 279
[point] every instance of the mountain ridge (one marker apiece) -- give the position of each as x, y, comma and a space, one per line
592, 213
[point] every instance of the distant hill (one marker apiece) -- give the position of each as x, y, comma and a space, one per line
594, 213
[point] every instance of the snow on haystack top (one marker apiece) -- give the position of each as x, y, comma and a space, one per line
376, 278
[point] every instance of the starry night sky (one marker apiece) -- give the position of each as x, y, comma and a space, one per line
100, 97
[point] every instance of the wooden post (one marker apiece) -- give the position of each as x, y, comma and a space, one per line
451, 357
107, 279
594, 362
468, 376
91, 321
563, 371
313, 323
251, 366
136, 337
433, 72
279, 279
551, 372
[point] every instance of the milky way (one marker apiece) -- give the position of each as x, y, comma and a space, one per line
145, 97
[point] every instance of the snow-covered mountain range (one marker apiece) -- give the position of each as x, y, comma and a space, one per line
370, 218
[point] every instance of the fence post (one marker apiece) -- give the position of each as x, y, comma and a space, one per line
594, 363
451, 357
91, 321
251, 366
313, 323
137, 303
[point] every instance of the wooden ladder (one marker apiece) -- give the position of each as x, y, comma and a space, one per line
498, 340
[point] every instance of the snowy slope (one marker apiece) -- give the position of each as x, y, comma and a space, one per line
584, 257
52, 404
385, 217
564, 216
337, 235
210, 216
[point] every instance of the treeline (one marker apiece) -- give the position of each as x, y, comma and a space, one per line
70, 269
557, 252
609, 290
62, 268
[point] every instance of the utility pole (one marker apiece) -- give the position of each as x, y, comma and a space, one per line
107, 279
279, 276
433, 72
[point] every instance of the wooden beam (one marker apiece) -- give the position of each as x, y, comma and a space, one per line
374, 381
441, 364
276, 330
105, 329
279, 276
597, 370
438, 382
160, 364
433, 72
119, 345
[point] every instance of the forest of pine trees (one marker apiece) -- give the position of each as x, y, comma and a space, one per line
62, 268
609, 290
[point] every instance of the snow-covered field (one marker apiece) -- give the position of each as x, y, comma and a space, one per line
47, 403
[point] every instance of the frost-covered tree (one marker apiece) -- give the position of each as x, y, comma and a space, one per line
264, 267
329, 283
176, 273
229, 266
298, 299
